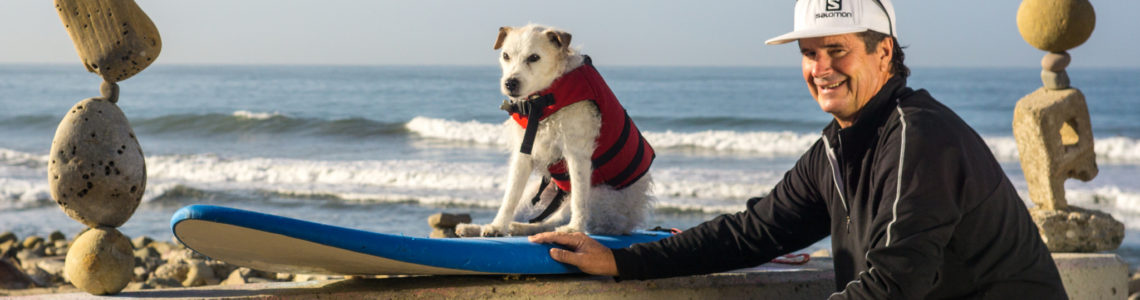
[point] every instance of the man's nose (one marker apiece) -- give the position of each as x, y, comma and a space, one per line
821, 66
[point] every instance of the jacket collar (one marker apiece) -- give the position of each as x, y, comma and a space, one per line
871, 118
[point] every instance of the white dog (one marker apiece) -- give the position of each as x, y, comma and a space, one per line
567, 126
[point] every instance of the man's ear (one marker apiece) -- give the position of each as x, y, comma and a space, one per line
887, 48
560, 39
502, 35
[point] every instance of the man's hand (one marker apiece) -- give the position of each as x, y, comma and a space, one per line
585, 253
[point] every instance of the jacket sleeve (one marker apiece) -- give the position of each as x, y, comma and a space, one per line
919, 210
792, 216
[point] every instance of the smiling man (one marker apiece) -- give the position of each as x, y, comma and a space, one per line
914, 201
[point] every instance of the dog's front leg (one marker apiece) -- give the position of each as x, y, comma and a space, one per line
521, 167
578, 165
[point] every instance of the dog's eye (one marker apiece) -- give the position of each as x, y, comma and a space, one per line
532, 58
506, 57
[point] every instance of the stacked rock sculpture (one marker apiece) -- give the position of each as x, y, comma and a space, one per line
1054, 132
96, 170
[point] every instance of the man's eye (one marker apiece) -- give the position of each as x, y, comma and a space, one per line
532, 58
506, 56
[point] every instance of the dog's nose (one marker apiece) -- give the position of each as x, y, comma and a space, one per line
511, 84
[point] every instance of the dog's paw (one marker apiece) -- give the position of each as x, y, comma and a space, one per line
491, 230
568, 229
468, 230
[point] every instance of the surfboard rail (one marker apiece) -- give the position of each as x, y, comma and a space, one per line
281, 244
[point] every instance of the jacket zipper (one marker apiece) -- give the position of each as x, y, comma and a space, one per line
838, 180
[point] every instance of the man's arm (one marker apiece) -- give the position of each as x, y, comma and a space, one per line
791, 217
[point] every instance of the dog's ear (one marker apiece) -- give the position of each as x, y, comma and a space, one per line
561, 39
502, 35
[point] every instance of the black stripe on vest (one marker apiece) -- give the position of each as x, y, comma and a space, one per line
617, 146
564, 176
634, 164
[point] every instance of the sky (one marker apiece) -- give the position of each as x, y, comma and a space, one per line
968, 33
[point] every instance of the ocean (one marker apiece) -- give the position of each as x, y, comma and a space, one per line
381, 148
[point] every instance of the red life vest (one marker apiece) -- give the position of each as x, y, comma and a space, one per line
622, 155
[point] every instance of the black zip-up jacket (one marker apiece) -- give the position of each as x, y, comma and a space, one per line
915, 203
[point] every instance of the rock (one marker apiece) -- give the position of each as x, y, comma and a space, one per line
9, 249
41, 277
100, 261
56, 236
7, 236
182, 255
146, 253
437, 233
1055, 25
446, 220
236, 277
175, 271
1075, 229
141, 242
114, 38
284, 277
1055, 142
12, 278
33, 242
1055, 61
221, 269
26, 254
162, 247
53, 265
155, 281
96, 171
141, 274
1055, 80
199, 274
137, 286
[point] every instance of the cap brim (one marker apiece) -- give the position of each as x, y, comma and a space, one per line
812, 33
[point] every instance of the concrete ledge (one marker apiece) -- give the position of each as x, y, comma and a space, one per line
814, 280
1093, 275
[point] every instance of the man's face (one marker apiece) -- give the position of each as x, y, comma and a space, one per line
841, 75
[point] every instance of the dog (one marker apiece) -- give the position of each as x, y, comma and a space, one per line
567, 127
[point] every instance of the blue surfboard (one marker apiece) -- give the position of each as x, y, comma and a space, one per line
279, 244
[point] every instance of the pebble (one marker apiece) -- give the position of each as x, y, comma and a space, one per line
141, 242
56, 236
1055, 61
100, 261
96, 169
1055, 80
12, 277
33, 242
199, 274
8, 236
148, 269
9, 249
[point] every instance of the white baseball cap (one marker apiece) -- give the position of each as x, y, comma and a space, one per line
818, 18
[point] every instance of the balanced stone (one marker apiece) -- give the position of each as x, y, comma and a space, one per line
1055, 25
1055, 61
114, 38
96, 171
1055, 80
1075, 229
1055, 142
100, 261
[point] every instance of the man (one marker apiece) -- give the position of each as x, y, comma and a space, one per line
916, 205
